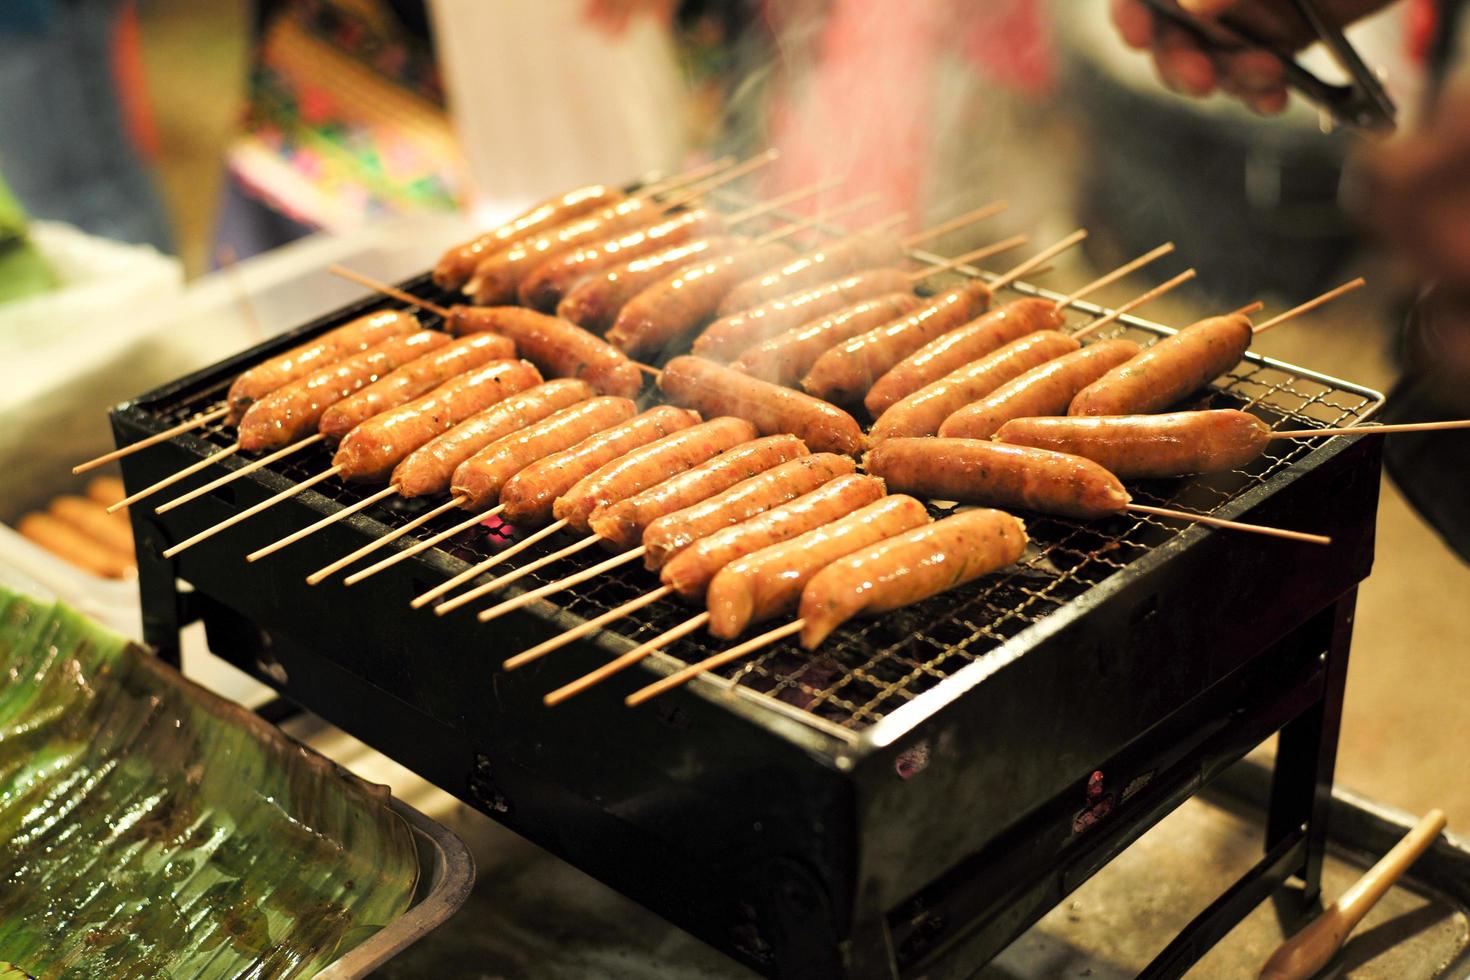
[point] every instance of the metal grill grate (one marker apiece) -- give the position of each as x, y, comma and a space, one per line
871, 667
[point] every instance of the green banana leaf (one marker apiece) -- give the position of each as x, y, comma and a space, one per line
150, 828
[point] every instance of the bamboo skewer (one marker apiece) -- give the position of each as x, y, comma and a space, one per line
173, 478
317, 576
516, 574
248, 468
1114, 276
479, 569
985, 251
388, 289
249, 512
626, 660
1045, 255
1133, 304
781, 200
709, 663
419, 546
816, 221
954, 224
1272, 532
526, 598
153, 440
1368, 430
703, 187
686, 177
1248, 309
576, 632
1311, 304
310, 529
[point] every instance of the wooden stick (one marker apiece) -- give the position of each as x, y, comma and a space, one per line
577, 632
681, 677
1045, 255
1248, 309
1114, 276
526, 598
153, 440
1273, 532
958, 221
1311, 304
1314, 945
173, 478
626, 660
817, 220
419, 546
387, 289
703, 187
648, 369
516, 574
311, 529
1370, 429
229, 522
248, 468
781, 200
483, 566
687, 177
968, 257
1134, 304
316, 577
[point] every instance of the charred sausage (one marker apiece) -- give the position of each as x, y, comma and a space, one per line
924, 412
480, 478
430, 468
912, 566
689, 572
418, 377
866, 250
787, 357
979, 472
561, 349
672, 533
1149, 446
670, 309
458, 264
594, 303
528, 497
768, 583
962, 346
622, 524
1169, 370
846, 372
373, 449
648, 466
293, 411
343, 341
1046, 389
735, 333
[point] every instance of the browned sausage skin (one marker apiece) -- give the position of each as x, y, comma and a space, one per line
1169, 370
787, 357
1043, 390
912, 566
1149, 446
714, 389
559, 348
865, 250
979, 472
594, 303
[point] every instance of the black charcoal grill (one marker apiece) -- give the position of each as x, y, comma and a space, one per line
904, 802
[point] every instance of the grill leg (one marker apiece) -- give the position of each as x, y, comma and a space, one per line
162, 614
1306, 758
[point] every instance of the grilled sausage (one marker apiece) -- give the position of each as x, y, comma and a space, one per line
622, 524
865, 250
373, 449
1149, 446
846, 372
924, 412
735, 333
1169, 370
430, 468
561, 349
912, 566
418, 377
668, 310
714, 389
768, 583
458, 264
689, 572
957, 348
480, 478
544, 287
74, 546
293, 411
672, 533
350, 338
649, 466
1046, 389
528, 496
594, 303
498, 275
979, 472
787, 357
93, 520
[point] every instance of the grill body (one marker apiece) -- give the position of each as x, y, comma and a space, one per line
906, 803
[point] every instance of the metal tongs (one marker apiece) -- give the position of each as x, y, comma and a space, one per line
1362, 104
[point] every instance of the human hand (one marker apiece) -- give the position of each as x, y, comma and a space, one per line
1250, 74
